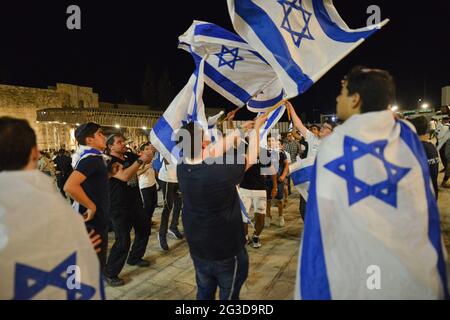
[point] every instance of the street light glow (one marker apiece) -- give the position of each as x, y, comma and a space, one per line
117, 126
425, 106
394, 108
144, 128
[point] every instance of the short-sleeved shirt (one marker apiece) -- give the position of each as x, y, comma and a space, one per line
253, 178
212, 216
124, 194
96, 186
433, 163
278, 157
63, 165
313, 144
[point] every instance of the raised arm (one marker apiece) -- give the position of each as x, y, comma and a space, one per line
296, 119
253, 144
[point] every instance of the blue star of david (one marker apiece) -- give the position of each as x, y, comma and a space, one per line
23, 290
288, 8
226, 52
385, 191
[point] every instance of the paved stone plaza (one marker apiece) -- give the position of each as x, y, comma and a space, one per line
272, 267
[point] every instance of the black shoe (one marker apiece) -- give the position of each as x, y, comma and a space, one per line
163, 242
175, 233
114, 281
140, 263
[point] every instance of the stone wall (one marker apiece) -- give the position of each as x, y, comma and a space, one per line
23, 102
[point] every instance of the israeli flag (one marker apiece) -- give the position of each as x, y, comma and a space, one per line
46, 258
272, 119
372, 228
245, 216
232, 67
214, 132
186, 107
300, 39
301, 175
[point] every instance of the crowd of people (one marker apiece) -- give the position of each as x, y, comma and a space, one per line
115, 188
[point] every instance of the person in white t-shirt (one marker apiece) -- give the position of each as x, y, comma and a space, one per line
147, 182
312, 139
172, 204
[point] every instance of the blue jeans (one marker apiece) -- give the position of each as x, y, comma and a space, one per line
229, 275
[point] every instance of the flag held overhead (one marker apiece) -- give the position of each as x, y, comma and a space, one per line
300, 39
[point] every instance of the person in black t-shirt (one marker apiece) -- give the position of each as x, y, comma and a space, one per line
280, 162
127, 209
88, 183
212, 217
421, 125
64, 168
254, 196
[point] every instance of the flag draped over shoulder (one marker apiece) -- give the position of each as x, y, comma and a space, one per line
186, 107
372, 228
300, 39
232, 67
45, 252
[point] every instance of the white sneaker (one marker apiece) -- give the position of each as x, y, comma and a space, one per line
267, 222
282, 224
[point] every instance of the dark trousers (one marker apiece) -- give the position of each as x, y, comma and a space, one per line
289, 184
150, 197
302, 208
172, 203
60, 182
443, 157
229, 275
123, 219
103, 232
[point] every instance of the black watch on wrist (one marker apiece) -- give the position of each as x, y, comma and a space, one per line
140, 161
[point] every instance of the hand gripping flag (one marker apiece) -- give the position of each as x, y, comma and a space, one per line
372, 228
186, 107
301, 175
300, 39
232, 67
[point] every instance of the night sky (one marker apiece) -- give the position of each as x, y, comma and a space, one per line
119, 39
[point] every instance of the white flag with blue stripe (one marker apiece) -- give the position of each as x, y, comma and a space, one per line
300, 172
272, 119
45, 251
372, 227
300, 39
186, 107
232, 67
214, 132
245, 215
